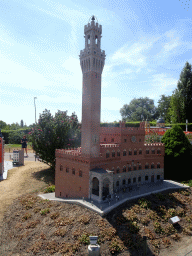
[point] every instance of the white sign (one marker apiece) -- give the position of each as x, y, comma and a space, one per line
93, 239
174, 220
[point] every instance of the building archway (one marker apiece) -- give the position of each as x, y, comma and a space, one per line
106, 183
95, 186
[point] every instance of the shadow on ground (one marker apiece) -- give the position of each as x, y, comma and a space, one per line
47, 175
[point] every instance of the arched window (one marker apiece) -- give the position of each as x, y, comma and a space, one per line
158, 177
107, 154
147, 151
118, 169
134, 167
146, 177
130, 152
152, 151
80, 173
158, 151
129, 181
67, 169
88, 39
158, 165
96, 39
124, 168
113, 153
146, 166
124, 152
118, 152
61, 167
152, 166
140, 151
117, 184
135, 151
113, 169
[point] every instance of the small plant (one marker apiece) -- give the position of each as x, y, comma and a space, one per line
115, 246
50, 189
180, 212
136, 208
45, 211
169, 229
176, 237
166, 241
26, 216
84, 219
108, 233
133, 227
130, 215
32, 224
60, 232
145, 220
184, 192
156, 243
153, 216
37, 210
172, 212
54, 215
150, 234
157, 227
144, 203
84, 238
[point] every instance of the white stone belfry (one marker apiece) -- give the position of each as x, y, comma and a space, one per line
92, 61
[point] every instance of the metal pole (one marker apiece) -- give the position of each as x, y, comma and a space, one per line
35, 108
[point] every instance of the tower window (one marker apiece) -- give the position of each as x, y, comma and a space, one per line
117, 169
107, 154
118, 153
130, 152
140, 152
113, 153
147, 151
158, 165
125, 140
61, 167
124, 168
135, 151
152, 166
129, 181
112, 140
67, 169
134, 180
73, 171
153, 151
124, 152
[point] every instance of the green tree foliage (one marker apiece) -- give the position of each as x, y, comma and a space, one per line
139, 109
51, 133
163, 107
176, 109
185, 87
178, 152
2, 125
176, 143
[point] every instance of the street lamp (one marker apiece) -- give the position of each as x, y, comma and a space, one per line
35, 107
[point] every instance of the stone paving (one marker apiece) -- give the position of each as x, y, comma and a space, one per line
120, 197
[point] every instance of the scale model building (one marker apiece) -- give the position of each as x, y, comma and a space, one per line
110, 158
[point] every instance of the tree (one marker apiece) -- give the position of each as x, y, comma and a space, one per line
22, 123
185, 87
53, 133
139, 109
2, 125
178, 152
176, 110
163, 107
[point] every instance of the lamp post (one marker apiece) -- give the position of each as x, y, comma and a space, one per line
35, 107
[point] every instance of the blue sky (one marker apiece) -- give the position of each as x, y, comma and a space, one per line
147, 43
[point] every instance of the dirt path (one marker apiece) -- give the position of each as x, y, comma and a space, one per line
21, 180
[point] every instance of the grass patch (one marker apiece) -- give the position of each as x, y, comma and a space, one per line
45, 211
50, 189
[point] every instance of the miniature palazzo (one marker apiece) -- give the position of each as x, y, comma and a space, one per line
110, 158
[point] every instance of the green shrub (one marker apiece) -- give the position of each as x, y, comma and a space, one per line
84, 238
50, 189
144, 203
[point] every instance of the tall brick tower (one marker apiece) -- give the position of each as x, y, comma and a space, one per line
92, 61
